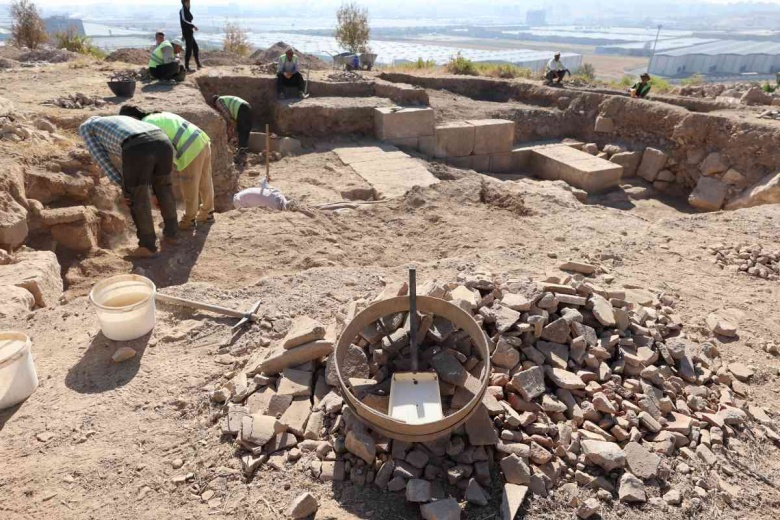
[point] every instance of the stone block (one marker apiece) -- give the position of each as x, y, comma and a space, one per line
604, 124
405, 142
502, 162
13, 222
578, 169
493, 135
393, 178
765, 192
653, 161
709, 194
426, 144
38, 272
481, 163
464, 163
455, 139
402, 122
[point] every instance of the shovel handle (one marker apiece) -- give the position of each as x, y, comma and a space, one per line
413, 317
173, 300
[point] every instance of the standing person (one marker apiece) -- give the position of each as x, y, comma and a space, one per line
164, 64
238, 115
555, 70
147, 158
288, 73
642, 87
192, 161
188, 33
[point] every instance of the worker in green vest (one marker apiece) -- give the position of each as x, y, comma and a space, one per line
192, 160
641, 88
238, 115
164, 64
288, 74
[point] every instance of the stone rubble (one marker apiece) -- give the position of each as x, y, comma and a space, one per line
77, 101
591, 387
751, 259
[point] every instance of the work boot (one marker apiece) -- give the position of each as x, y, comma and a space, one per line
142, 252
208, 220
186, 225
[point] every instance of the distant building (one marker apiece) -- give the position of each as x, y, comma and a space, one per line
58, 24
536, 18
723, 57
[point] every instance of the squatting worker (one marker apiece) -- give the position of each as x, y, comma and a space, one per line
192, 161
147, 159
164, 64
556, 69
641, 88
288, 73
238, 115
188, 33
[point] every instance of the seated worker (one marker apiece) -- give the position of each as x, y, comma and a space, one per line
288, 74
238, 115
147, 159
642, 87
192, 161
164, 64
555, 70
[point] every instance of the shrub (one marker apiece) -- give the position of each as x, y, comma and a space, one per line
27, 29
463, 66
504, 71
768, 88
586, 71
420, 64
692, 81
352, 28
235, 41
71, 40
660, 86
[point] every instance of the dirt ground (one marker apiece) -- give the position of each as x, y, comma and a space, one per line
100, 440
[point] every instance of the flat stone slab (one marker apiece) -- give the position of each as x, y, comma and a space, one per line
577, 168
391, 173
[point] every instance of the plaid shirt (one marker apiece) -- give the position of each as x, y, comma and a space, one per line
104, 137
223, 110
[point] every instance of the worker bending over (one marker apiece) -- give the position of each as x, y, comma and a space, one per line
555, 70
288, 74
238, 115
147, 158
641, 88
164, 64
192, 161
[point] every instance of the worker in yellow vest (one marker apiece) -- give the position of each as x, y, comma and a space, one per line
192, 160
164, 64
288, 74
237, 113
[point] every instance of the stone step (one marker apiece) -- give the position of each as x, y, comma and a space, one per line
579, 169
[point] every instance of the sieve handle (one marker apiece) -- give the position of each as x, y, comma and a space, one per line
413, 317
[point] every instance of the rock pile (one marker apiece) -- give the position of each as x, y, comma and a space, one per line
77, 100
770, 114
589, 386
754, 259
738, 93
346, 76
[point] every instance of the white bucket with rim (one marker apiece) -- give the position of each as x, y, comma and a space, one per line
18, 378
125, 306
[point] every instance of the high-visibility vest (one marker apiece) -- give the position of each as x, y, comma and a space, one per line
641, 90
233, 103
283, 59
188, 140
157, 54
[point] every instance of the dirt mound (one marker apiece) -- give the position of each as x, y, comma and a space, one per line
493, 196
134, 56
48, 56
222, 59
272, 55
6, 63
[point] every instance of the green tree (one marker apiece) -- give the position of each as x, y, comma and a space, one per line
352, 29
27, 29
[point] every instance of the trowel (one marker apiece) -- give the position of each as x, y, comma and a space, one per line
415, 397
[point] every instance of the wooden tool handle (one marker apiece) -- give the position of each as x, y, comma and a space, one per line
413, 317
173, 300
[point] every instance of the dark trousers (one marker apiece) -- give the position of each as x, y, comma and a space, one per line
192, 49
556, 75
168, 71
147, 160
296, 80
243, 126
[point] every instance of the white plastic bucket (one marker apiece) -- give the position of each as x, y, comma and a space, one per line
125, 306
18, 379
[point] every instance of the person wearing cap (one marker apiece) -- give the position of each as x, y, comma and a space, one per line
237, 113
288, 73
192, 161
164, 64
556, 70
146, 161
641, 88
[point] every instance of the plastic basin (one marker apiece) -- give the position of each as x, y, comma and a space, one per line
18, 378
124, 306
122, 88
